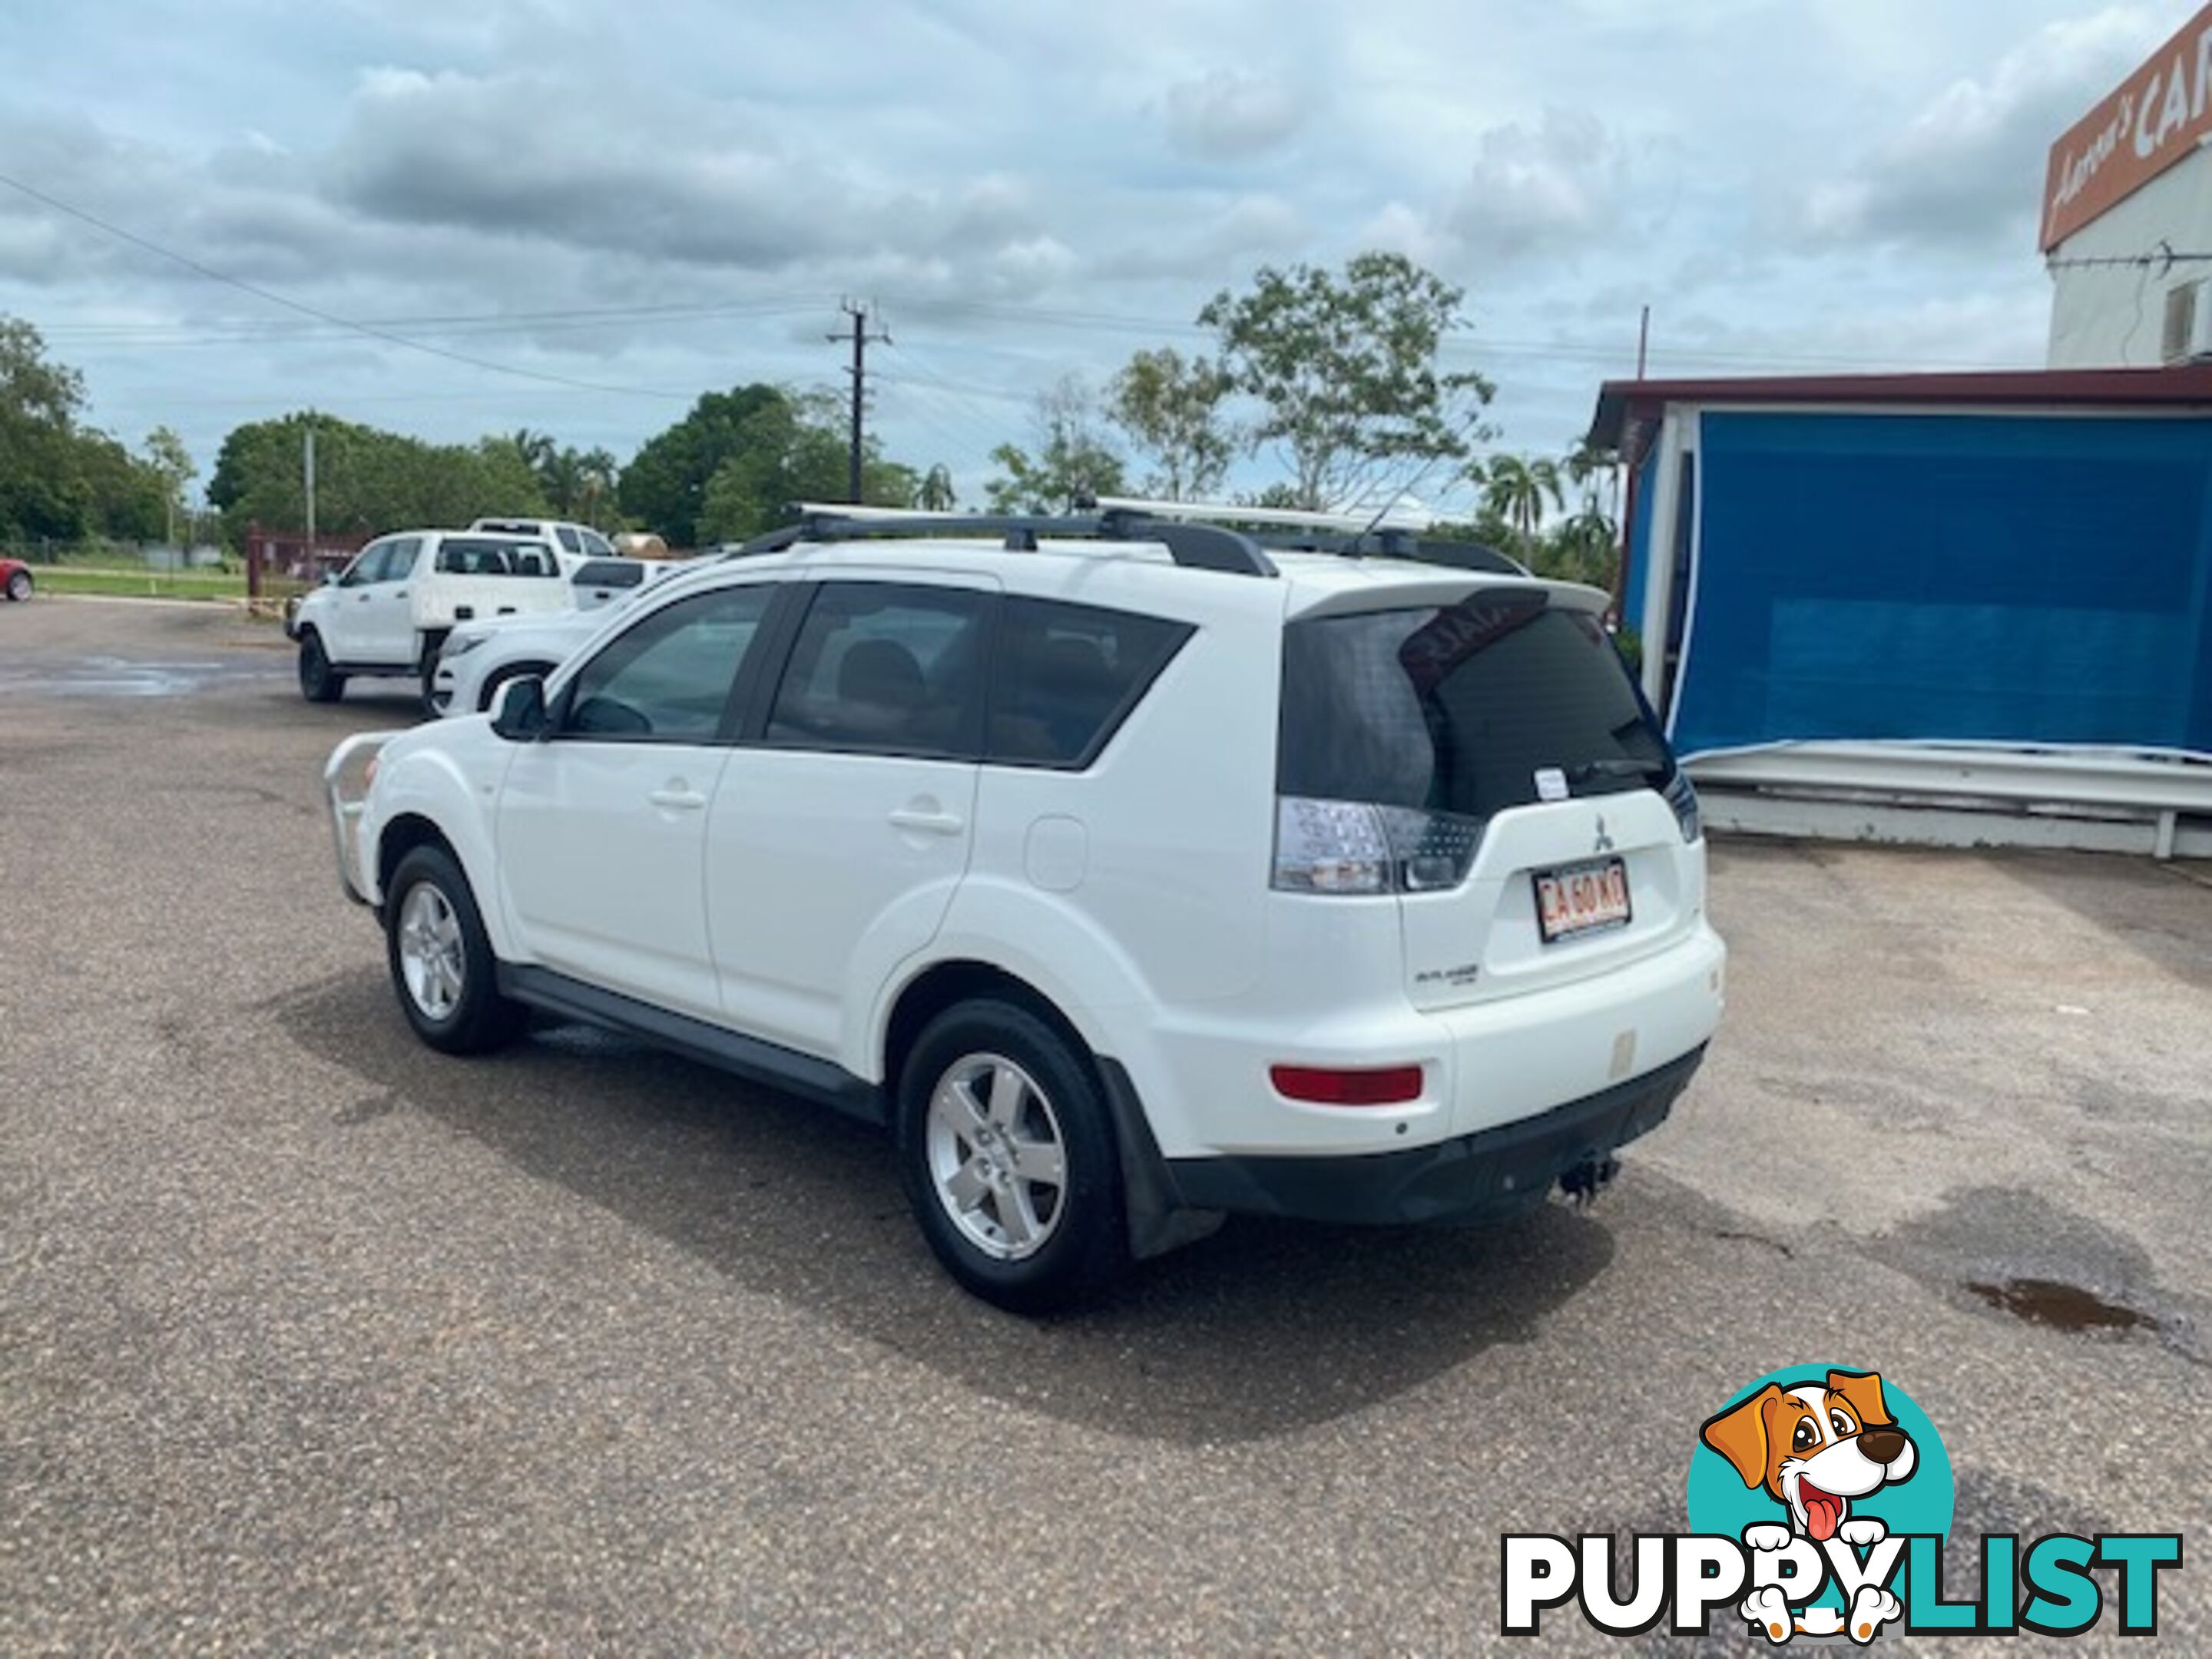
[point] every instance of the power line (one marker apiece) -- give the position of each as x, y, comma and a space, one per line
279, 332
368, 328
786, 300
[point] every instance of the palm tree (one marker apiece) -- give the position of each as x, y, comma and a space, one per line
1516, 488
1586, 462
598, 471
561, 478
1580, 549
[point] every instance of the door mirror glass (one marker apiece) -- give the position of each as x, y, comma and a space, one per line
518, 710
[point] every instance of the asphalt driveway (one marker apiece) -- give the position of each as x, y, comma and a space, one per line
311, 1340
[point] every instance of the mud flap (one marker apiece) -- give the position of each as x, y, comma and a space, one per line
1157, 1219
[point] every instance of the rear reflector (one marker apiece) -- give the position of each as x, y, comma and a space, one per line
1393, 1085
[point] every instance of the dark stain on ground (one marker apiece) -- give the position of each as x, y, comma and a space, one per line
2017, 1253
2061, 1306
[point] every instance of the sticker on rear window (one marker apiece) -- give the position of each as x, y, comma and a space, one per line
1551, 783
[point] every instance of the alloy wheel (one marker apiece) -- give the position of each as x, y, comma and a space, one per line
997, 1159
430, 952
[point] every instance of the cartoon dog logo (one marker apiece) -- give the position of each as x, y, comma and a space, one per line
1815, 1446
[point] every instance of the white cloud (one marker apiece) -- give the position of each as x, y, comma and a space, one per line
1029, 189
1966, 169
1234, 114
1549, 191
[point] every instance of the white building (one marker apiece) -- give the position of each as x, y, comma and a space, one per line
2127, 216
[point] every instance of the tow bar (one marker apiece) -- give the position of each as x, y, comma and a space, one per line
1583, 1180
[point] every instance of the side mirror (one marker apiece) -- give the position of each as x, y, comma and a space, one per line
518, 712
330, 579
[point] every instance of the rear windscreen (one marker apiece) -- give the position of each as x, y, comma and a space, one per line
1458, 708
460, 557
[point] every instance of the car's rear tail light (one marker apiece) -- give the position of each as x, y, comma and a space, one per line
1684, 800
1353, 847
1330, 1086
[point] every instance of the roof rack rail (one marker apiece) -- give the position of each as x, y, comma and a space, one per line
1197, 546
1271, 518
1174, 526
1395, 534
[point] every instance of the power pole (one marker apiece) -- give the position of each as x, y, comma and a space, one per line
861, 337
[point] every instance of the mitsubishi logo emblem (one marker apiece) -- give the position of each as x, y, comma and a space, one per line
1604, 843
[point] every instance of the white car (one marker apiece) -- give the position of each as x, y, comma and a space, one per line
480, 657
1129, 872
576, 542
389, 612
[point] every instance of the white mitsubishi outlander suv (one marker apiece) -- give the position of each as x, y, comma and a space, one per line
1132, 871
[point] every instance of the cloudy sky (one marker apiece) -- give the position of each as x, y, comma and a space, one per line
638, 202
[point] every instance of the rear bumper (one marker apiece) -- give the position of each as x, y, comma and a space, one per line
1490, 1174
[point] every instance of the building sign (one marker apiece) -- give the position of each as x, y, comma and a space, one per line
2154, 119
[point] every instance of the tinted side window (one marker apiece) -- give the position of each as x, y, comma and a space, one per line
883, 666
668, 679
608, 572
399, 558
1067, 676
568, 539
598, 545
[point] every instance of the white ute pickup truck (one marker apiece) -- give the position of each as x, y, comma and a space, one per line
389, 612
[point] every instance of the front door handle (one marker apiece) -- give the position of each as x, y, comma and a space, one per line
676, 798
929, 823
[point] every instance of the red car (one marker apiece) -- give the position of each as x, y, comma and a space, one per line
14, 579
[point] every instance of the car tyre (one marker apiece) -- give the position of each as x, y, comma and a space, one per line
1009, 1159
19, 587
318, 681
441, 960
431, 705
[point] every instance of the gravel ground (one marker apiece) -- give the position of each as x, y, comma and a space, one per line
311, 1340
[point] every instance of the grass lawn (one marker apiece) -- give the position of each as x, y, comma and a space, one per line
139, 584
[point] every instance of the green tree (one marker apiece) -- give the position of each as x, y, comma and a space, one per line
367, 481
793, 449
1344, 369
43, 492
1273, 496
61, 481
172, 464
665, 487
537, 449
123, 496
1073, 462
1516, 488
1171, 410
597, 476
936, 494
1581, 547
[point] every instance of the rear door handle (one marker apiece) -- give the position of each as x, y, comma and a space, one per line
678, 798
929, 823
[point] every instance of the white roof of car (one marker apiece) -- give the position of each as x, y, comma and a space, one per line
1143, 574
